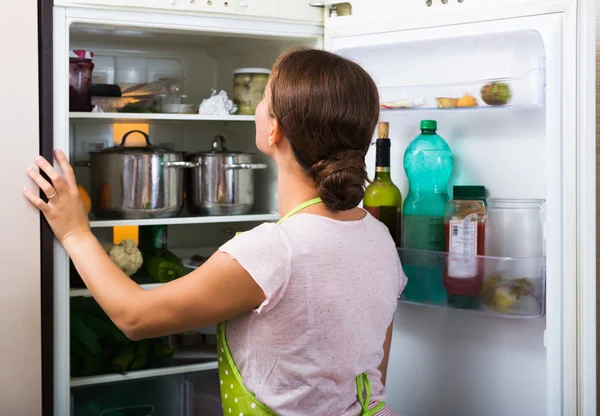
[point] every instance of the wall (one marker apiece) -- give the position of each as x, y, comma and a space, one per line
20, 342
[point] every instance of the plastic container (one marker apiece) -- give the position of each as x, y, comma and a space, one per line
511, 287
170, 104
428, 163
81, 67
464, 224
514, 228
248, 88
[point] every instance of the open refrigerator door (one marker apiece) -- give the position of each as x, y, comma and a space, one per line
520, 146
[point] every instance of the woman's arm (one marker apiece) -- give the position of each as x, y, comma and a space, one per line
218, 290
386, 353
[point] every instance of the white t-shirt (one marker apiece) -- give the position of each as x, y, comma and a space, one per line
331, 290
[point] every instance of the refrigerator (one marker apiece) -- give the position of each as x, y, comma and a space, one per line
443, 361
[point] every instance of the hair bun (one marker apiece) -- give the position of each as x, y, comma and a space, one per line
340, 179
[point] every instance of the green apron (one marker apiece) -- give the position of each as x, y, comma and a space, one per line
237, 400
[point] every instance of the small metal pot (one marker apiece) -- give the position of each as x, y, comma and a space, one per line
222, 183
137, 182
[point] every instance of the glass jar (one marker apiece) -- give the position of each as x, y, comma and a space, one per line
248, 88
514, 228
465, 240
80, 80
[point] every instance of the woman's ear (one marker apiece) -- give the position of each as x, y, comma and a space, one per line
276, 134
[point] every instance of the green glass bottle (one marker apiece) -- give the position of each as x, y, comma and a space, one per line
383, 199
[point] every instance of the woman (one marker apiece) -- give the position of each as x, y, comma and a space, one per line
308, 302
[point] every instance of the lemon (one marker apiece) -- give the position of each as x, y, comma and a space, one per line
503, 299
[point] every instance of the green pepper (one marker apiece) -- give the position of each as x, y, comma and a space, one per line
164, 266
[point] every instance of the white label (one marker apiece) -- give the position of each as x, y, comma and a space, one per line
463, 240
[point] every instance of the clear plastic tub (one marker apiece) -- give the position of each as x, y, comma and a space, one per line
512, 287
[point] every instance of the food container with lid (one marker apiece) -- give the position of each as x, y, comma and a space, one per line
248, 88
137, 181
81, 67
222, 183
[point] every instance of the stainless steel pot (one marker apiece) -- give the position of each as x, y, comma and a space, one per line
222, 183
137, 182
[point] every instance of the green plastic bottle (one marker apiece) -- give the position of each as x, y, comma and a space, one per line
428, 165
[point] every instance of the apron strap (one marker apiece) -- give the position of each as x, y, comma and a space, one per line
363, 389
300, 207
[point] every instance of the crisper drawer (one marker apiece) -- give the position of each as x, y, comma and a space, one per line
160, 396
179, 395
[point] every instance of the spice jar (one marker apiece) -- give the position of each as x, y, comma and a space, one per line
464, 222
80, 80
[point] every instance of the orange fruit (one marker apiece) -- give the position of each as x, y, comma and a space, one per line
85, 199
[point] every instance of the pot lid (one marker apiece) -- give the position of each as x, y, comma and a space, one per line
219, 148
148, 149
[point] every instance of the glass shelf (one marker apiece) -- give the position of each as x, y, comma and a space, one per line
500, 286
528, 91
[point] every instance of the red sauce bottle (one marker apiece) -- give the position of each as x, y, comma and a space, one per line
465, 236
81, 67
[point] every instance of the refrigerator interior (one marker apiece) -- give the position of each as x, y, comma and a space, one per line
204, 61
443, 361
127, 56
446, 361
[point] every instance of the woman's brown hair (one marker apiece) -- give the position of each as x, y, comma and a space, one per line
328, 108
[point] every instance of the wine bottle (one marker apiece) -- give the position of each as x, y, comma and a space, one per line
383, 199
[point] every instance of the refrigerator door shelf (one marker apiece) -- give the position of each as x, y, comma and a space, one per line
506, 287
527, 90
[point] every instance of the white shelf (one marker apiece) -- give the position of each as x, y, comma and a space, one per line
86, 293
156, 116
478, 108
138, 375
187, 220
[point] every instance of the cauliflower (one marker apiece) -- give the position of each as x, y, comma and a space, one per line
127, 256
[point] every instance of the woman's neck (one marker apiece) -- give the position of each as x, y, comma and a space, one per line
293, 188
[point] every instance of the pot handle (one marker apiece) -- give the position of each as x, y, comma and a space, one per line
237, 166
183, 165
135, 131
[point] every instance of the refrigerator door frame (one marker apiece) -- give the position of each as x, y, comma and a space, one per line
586, 89
570, 337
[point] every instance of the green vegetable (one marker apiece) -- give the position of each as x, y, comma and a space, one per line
121, 362
141, 355
164, 266
161, 351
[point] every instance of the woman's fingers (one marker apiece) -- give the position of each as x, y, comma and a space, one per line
66, 168
57, 180
35, 200
43, 184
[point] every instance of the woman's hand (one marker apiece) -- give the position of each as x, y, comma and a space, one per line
64, 210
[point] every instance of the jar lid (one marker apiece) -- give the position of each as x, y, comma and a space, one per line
252, 71
469, 192
81, 54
